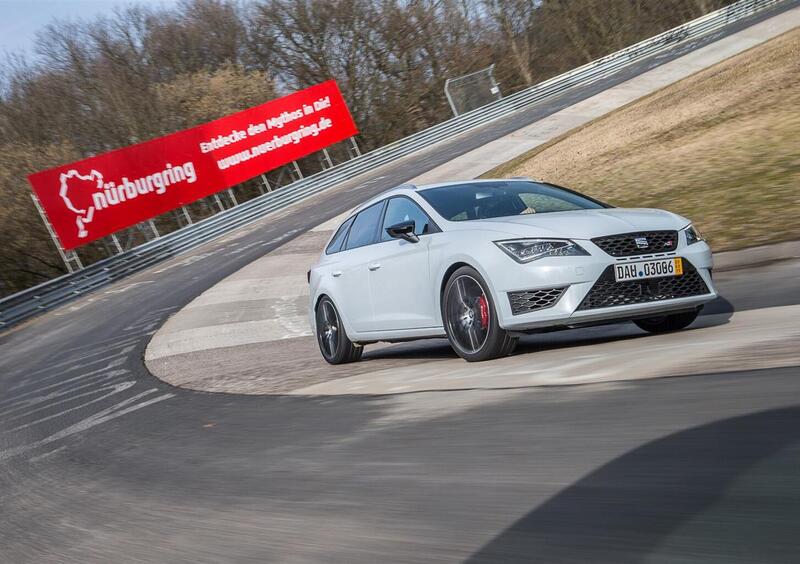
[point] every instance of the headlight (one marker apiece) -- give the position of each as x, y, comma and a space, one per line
692, 235
528, 250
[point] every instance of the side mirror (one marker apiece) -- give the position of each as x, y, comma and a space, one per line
403, 230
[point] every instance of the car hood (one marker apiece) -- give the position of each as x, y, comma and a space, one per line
580, 224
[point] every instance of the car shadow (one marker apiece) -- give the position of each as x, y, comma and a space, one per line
717, 312
427, 349
722, 492
718, 307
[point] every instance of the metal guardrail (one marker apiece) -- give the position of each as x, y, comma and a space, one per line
48, 295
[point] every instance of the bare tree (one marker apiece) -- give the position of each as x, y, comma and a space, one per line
515, 21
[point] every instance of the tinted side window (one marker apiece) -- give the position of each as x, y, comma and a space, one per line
338, 239
365, 226
403, 209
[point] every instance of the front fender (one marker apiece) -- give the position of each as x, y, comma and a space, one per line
482, 255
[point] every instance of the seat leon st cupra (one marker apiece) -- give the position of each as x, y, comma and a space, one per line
483, 262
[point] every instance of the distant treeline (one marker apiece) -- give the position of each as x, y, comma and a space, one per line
92, 86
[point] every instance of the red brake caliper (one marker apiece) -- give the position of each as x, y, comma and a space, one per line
484, 307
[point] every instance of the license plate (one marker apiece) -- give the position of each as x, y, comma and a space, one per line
648, 269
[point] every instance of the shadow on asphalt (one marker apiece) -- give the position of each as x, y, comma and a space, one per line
720, 306
728, 492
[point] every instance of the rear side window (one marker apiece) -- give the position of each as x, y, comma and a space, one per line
337, 242
365, 227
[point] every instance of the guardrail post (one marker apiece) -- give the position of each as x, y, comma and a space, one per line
232, 196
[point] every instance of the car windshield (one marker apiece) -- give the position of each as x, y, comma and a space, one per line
484, 200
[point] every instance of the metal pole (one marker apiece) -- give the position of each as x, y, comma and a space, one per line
63, 254
232, 196
108, 247
449, 97
356, 150
116, 243
495, 87
281, 173
186, 215
297, 170
265, 180
327, 157
153, 227
219, 202
73, 256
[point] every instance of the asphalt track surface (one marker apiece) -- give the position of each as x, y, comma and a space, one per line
100, 462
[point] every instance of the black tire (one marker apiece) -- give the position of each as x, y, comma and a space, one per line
335, 346
667, 323
470, 318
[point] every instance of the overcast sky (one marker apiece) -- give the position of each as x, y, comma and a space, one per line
20, 19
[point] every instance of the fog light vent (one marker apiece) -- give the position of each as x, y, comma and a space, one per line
533, 300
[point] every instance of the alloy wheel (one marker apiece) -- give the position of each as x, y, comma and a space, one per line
467, 311
328, 329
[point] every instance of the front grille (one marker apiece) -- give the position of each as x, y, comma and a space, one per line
533, 300
642, 243
607, 292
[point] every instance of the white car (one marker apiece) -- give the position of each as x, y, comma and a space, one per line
485, 261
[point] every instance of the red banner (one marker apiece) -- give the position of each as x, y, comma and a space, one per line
97, 196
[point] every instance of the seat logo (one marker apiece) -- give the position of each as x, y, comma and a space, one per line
641, 242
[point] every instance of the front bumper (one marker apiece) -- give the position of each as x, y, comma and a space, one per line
577, 275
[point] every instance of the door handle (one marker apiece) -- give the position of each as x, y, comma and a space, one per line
336, 273
374, 266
